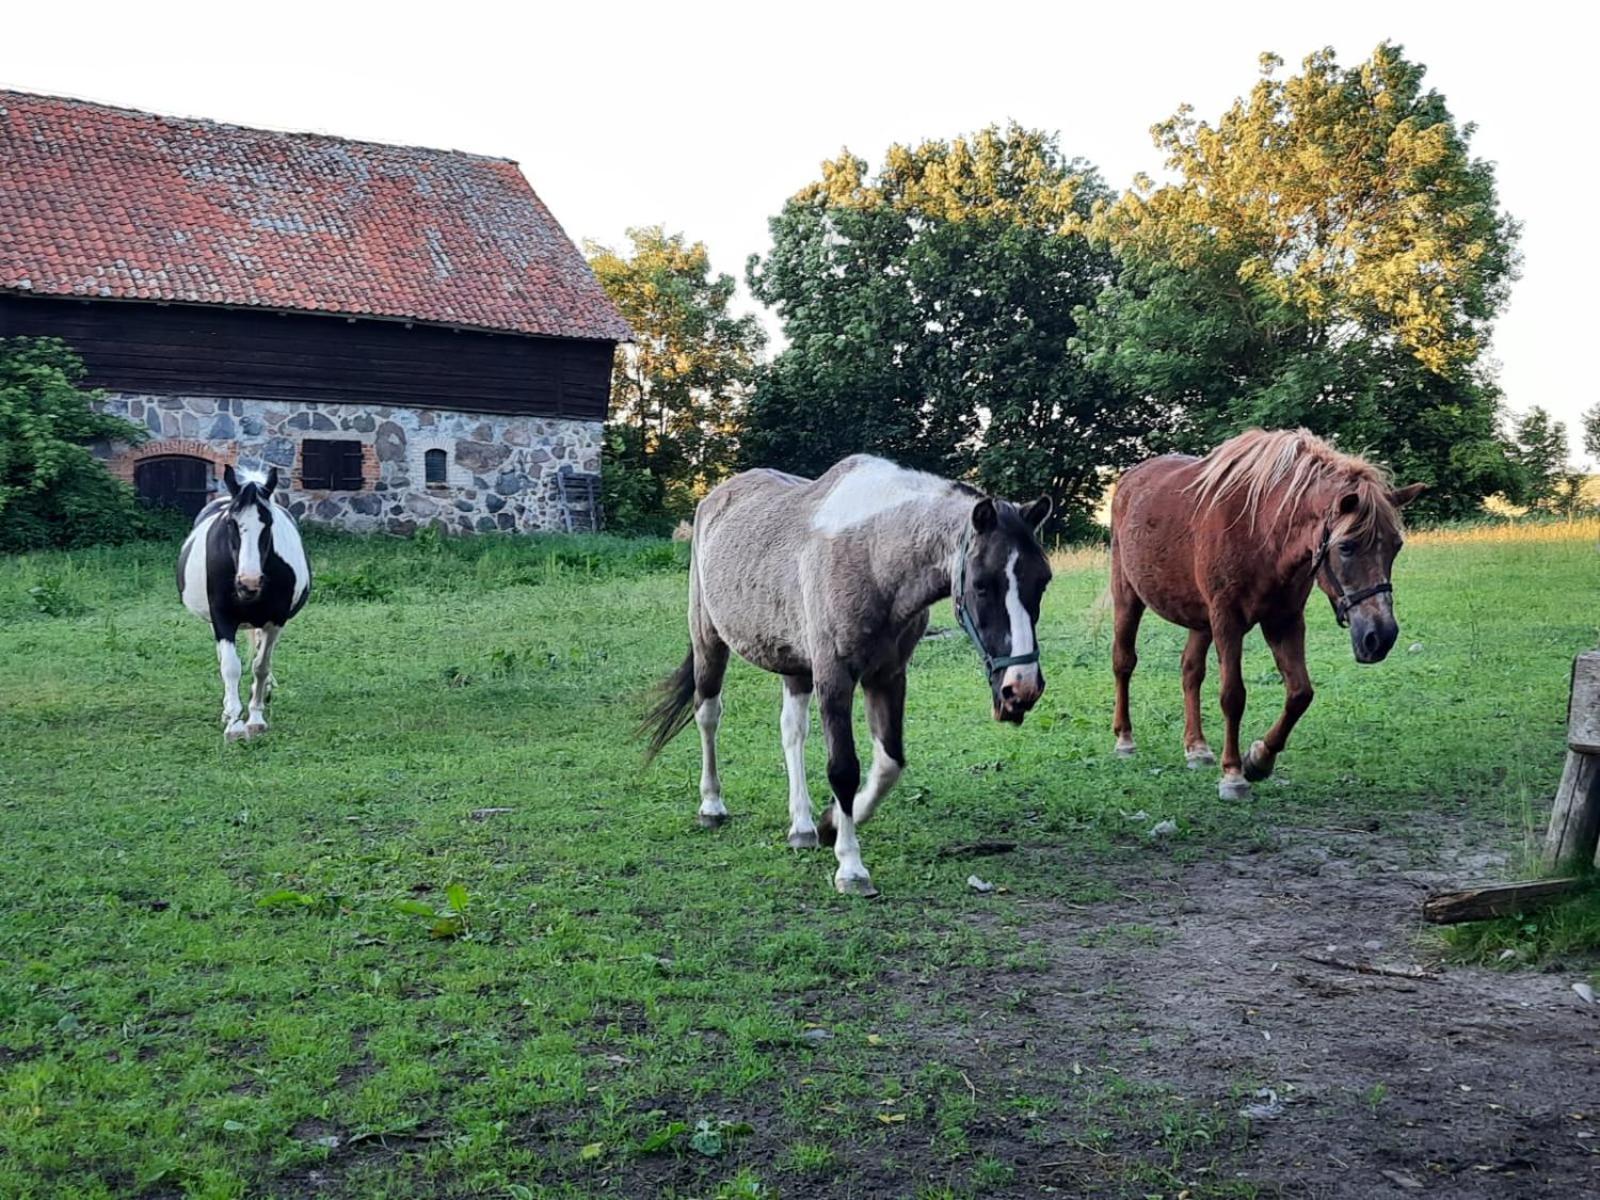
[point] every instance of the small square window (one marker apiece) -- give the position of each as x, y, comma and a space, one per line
433, 466
333, 466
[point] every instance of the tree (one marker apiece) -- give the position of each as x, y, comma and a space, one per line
677, 390
1545, 479
1330, 255
929, 310
1591, 432
53, 491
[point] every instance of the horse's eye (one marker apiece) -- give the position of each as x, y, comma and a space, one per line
1348, 547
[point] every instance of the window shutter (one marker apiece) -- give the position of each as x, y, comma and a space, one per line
331, 465
314, 464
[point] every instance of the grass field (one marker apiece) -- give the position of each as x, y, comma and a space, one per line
220, 974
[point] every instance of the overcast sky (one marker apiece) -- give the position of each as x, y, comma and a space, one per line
705, 117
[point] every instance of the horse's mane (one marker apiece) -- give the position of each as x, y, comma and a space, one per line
1290, 463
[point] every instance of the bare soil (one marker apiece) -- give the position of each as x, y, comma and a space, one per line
1465, 1082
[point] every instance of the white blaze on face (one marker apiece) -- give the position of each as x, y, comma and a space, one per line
1025, 674
250, 527
872, 488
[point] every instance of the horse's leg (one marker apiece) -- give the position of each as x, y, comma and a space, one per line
886, 715
1195, 751
710, 665
261, 678
1229, 635
228, 661
796, 724
835, 702
1128, 609
1288, 641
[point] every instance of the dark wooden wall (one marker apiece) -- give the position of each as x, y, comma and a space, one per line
193, 350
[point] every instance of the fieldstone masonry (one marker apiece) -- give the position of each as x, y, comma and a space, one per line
501, 470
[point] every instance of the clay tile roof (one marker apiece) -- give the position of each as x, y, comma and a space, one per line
108, 202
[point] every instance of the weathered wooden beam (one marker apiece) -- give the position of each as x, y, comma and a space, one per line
1583, 709
1498, 899
1575, 816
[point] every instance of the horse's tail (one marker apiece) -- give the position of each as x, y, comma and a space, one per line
673, 710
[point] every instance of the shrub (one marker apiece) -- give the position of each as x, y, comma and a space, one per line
53, 492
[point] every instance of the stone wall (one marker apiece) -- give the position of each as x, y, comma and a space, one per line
501, 470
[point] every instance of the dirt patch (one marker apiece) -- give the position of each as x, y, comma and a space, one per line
1196, 989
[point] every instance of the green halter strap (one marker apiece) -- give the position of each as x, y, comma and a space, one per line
991, 664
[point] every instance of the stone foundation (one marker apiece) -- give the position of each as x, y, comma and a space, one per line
500, 470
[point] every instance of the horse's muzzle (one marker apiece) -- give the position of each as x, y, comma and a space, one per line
1018, 691
247, 589
1372, 639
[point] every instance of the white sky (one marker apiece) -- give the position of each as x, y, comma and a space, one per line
705, 117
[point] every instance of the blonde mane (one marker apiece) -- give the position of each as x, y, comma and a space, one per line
1292, 462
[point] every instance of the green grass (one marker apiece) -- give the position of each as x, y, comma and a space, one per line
216, 960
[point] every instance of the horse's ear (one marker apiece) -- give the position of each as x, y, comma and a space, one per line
232, 480
1401, 497
272, 482
1037, 513
984, 516
1349, 502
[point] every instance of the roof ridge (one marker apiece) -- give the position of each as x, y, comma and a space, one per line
209, 123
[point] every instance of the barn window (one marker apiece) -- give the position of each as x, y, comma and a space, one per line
333, 466
433, 466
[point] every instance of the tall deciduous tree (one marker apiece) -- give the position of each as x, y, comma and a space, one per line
1546, 479
928, 309
1328, 254
1591, 432
677, 390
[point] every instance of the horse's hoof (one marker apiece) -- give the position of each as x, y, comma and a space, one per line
805, 839
1258, 762
235, 731
1233, 787
254, 729
1200, 756
1124, 748
712, 820
854, 885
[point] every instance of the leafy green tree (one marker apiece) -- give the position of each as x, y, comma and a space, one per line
1591, 432
53, 491
1545, 479
929, 309
677, 390
1329, 254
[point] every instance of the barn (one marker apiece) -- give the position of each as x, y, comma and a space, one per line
407, 334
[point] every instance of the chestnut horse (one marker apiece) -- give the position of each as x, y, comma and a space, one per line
1236, 539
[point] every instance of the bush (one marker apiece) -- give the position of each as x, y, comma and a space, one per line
53, 492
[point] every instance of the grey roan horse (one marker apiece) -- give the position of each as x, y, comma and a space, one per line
828, 583
242, 565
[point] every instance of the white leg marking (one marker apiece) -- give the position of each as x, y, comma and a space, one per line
851, 878
796, 725
228, 659
261, 681
708, 716
885, 773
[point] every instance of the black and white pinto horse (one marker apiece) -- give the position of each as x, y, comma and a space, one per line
828, 583
243, 566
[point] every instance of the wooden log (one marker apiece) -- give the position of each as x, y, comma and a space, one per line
1583, 708
1498, 899
1575, 817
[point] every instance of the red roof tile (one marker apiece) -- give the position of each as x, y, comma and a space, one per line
108, 202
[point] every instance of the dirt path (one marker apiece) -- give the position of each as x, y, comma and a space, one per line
1466, 1083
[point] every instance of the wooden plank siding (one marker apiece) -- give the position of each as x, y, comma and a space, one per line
195, 350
